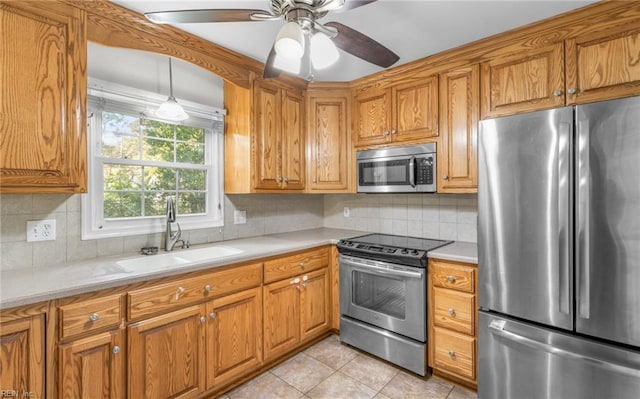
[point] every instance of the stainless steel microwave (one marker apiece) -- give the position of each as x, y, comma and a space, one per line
410, 169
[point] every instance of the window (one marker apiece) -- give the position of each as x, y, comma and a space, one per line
136, 162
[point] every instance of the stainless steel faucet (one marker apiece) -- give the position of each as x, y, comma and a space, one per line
171, 238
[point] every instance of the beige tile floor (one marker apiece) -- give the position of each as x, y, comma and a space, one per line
331, 370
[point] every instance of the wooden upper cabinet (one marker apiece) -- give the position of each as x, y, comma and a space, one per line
43, 86
279, 137
523, 81
22, 355
458, 145
603, 65
415, 110
328, 141
371, 117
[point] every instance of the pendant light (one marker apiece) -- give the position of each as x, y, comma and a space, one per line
170, 110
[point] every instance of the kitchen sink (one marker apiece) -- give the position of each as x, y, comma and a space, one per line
180, 257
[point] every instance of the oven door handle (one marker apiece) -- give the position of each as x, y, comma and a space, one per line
380, 269
412, 171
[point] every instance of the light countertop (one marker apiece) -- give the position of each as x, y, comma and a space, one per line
458, 251
32, 285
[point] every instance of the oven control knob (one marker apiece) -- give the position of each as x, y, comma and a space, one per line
414, 252
405, 251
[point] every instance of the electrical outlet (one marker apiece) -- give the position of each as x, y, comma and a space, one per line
41, 230
239, 217
345, 211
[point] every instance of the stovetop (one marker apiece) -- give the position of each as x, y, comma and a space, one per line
411, 251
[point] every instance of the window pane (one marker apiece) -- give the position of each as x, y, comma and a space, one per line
191, 134
155, 204
115, 145
118, 123
153, 128
191, 179
190, 153
122, 177
122, 204
159, 178
189, 203
157, 150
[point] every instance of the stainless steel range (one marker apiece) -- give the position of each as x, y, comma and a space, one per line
383, 299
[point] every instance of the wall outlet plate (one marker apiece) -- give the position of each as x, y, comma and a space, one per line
345, 211
41, 230
239, 217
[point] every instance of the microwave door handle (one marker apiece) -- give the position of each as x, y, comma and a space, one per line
412, 171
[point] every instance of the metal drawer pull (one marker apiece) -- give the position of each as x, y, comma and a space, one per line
203, 319
179, 291
207, 288
295, 281
302, 265
452, 354
452, 311
212, 315
451, 279
116, 350
94, 317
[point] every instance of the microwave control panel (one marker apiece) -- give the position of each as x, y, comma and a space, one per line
424, 171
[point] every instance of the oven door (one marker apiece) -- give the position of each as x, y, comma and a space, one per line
383, 294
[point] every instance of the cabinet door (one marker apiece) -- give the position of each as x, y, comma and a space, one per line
458, 150
234, 336
267, 103
22, 356
415, 110
526, 81
93, 367
371, 117
315, 309
591, 74
329, 153
281, 317
167, 355
293, 146
42, 98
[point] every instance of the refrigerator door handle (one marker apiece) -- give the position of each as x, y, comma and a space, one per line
496, 327
564, 217
583, 193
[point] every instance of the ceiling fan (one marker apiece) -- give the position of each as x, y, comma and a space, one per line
299, 35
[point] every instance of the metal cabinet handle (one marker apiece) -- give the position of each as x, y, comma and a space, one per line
557, 93
203, 319
304, 285
445, 177
212, 315
572, 90
207, 288
385, 133
451, 279
302, 265
452, 353
452, 311
305, 278
179, 291
115, 350
280, 179
94, 317
285, 179
393, 131
298, 287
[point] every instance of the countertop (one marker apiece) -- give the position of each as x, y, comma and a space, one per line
28, 286
458, 251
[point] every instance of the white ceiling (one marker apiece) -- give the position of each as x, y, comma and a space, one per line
412, 29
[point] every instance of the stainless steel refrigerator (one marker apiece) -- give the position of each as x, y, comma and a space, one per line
559, 253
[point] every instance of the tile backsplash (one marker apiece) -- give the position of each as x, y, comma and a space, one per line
435, 216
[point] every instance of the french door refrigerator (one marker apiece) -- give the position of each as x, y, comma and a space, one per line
559, 253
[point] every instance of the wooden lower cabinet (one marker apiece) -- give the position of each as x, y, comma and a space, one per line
22, 356
93, 367
296, 309
167, 357
234, 336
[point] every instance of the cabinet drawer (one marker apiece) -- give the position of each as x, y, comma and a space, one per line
454, 310
452, 276
235, 279
166, 297
455, 353
89, 315
290, 266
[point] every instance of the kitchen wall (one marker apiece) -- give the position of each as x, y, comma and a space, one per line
450, 217
266, 214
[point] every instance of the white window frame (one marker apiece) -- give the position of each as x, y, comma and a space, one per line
106, 96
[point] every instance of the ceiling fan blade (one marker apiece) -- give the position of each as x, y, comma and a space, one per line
362, 46
351, 4
214, 15
270, 71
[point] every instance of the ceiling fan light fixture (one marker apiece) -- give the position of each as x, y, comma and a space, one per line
324, 52
290, 41
291, 65
170, 109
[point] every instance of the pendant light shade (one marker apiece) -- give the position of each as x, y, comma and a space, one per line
324, 52
170, 110
290, 41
